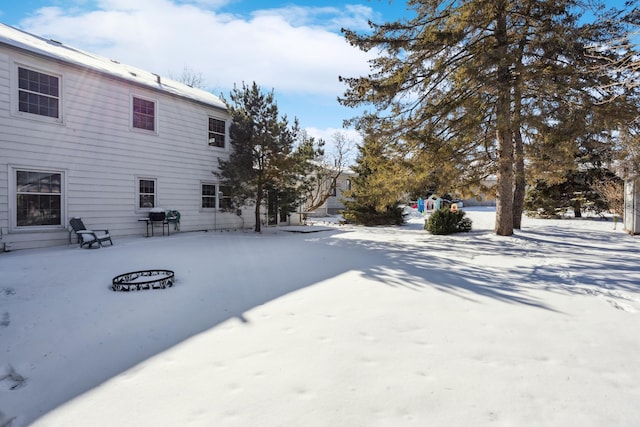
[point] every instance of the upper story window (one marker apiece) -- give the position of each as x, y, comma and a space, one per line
216, 132
38, 93
144, 114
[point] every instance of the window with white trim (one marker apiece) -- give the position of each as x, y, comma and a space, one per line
208, 196
39, 198
38, 93
215, 196
224, 198
147, 189
216, 132
143, 113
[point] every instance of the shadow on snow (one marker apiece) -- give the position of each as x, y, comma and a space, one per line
234, 272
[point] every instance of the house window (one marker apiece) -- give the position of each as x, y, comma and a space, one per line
216, 196
348, 184
38, 198
146, 193
38, 93
216, 132
144, 114
208, 196
333, 191
224, 198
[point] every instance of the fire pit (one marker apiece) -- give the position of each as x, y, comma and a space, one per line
144, 279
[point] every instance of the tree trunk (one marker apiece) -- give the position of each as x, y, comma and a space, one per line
520, 182
257, 210
577, 209
504, 205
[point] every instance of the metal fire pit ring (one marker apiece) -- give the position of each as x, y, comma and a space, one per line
143, 279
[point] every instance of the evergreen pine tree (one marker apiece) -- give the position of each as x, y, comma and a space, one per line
476, 77
264, 156
377, 188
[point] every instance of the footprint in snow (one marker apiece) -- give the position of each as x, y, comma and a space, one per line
12, 380
6, 320
621, 306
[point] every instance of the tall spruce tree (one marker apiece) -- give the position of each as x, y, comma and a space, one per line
266, 154
475, 75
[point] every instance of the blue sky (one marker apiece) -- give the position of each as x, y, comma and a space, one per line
294, 48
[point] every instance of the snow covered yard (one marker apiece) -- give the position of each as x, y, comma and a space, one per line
348, 326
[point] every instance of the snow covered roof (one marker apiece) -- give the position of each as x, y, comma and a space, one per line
55, 50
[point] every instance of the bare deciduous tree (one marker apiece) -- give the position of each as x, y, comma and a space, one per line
190, 77
611, 191
327, 171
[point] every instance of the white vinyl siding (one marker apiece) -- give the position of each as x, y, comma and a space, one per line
102, 159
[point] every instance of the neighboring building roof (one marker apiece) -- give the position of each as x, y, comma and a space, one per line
55, 50
346, 170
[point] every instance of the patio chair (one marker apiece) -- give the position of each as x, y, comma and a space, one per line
88, 238
173, 217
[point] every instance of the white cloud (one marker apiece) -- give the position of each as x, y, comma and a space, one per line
288, 50
329, 18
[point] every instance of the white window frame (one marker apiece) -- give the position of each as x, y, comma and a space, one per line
138, 193
155, 114
217, 196
214, 197
13, 198
226, 138
15, 98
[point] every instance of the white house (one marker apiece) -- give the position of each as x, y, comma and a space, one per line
85, 136
333, 205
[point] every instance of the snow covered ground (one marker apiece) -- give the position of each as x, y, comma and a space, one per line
348, 326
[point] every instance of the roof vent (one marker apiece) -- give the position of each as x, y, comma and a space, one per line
55, 41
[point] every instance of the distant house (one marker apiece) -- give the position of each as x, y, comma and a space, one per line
333, 205
85, 136
484, 194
